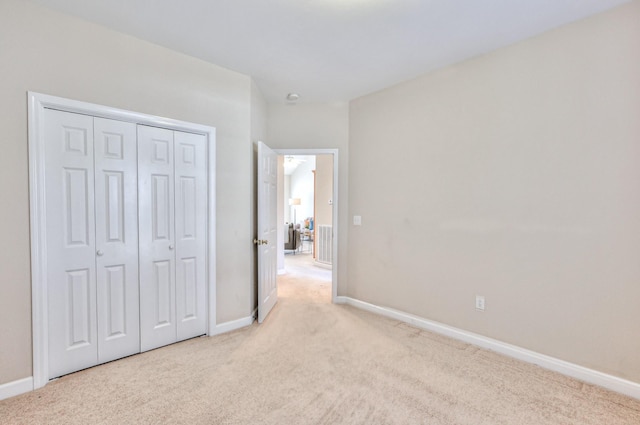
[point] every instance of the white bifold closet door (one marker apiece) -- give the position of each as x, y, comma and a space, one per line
172, 187
92, 240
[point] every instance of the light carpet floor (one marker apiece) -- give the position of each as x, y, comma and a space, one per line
312, 362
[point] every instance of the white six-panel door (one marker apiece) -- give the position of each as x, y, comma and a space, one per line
126, 238
93, 260
116, 209
86, 240
71, 247
172, 247
191, 233
267, 230
157, 239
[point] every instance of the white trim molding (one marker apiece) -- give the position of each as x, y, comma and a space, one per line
38, 210
614, 383
14, 388
233, 325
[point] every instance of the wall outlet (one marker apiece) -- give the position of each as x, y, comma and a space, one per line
480, 302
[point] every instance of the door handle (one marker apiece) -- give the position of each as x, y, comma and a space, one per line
99, 253
170, 246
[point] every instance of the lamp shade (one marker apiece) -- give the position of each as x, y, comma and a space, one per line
294, 201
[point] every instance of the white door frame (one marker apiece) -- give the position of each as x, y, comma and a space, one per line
38, 210
334, 152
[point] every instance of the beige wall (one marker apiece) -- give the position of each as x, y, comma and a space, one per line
59, 55
326, 126
515, 176
324, 189
323, 194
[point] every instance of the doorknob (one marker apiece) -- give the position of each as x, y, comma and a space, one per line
170, 246
99, 253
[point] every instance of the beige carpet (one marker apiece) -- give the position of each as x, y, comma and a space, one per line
312, 362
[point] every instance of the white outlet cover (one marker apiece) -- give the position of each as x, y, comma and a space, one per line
480, 302
357, 220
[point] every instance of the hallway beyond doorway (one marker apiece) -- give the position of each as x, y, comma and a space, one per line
302, 265
330, 196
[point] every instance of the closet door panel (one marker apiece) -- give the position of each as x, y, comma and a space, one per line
69, 171
116, 199
156, 237
191, 233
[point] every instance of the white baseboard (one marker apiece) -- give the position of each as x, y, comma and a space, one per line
14, 388
623, 386
323, 265
21, 386
234, 324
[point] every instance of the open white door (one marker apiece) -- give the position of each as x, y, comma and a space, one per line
267, 230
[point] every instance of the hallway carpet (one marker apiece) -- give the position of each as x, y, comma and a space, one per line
313, 362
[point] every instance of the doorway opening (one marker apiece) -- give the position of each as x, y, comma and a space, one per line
307, 215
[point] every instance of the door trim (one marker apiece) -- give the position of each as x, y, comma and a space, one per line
38, 102
335, 264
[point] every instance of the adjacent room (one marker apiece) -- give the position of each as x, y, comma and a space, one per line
332, 211
308, 212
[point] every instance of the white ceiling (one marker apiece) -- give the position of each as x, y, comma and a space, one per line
331, 50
